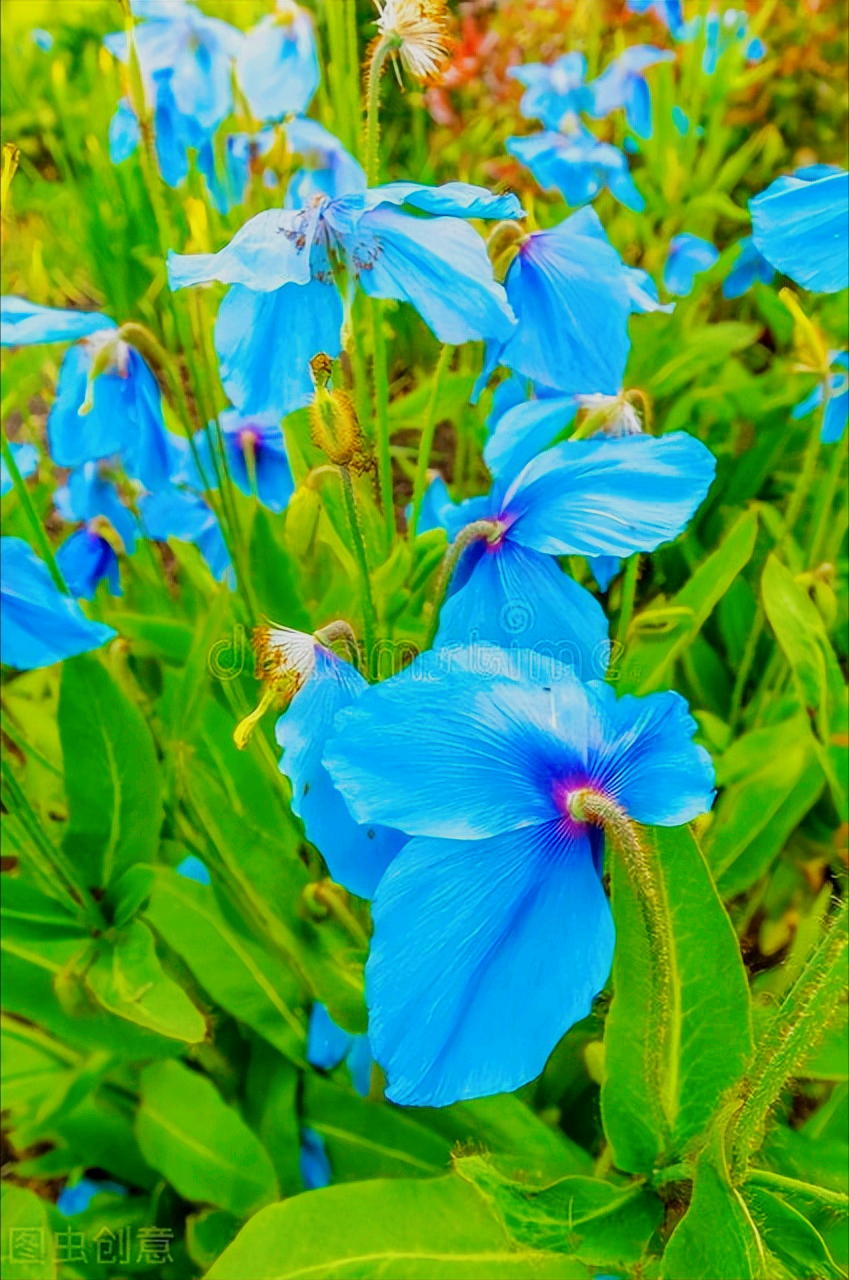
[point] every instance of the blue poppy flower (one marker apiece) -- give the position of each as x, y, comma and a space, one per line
750, 266
328, 1045
278, 64
326, 169
323, 683
85, 559
799, 225
25, 457
124, 133
40, 625
578, 165
197, 52
192, 868
688, 256
571, 294
285, 306
77, 1198
553, 92
257, 458
623, 84
669, 12
41, 39
179, 513
87, 495
492, 932
314, 1164
725, 32
837, 409
588, 498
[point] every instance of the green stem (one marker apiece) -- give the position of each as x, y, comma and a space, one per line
26, 502
381, 415
746, 662
369, 614
426, 442
382, 49
824, 1196
825, 501
803, 485
478, 529
629, 593
352, 73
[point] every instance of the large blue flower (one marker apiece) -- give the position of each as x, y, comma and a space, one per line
278, 65
553, 92
623, 84
328, 1045
40, 625
107, 400
688, 256
286, 307
578, 165
837, 410
799, 225
25, 458
750, 266
492, 932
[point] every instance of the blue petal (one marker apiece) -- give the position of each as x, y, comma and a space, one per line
40, 626
836, 415
327, 1044
77, 1198
801, 231
609, 497
278, 67
265, 342
521, 600
178, 513
83, 560
643, 293
87, 495
359, 1064
681, 121
356, 855
270, 250
688, 255
314, 1164
146, 454
440, 265
26, 458
75, 438
451, 199
124, 133
604, 569
23, 323
810, 402
638, 107
274, 482
483, 955
191, 868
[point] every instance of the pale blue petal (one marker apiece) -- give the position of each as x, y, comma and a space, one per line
76, 438
688, 256
278, 67
836, 414
483, 955
604, 569
26, 458
524, 431
270, 250
643, 293
810, 402
124, 133
191, 868
451, 199
24, 323
801, 231
327, 1044
638, 107
87, 495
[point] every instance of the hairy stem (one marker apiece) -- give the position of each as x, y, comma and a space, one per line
382, 49
478, 529
358, 541
380, 374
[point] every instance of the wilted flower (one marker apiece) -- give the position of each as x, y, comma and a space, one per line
799, 225
688, 256
418, 31
492, 932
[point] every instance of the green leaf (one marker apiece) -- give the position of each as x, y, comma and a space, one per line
670, 1055
128, 980
648, 656
398, 1229
584, 1217
274, 577
271, 1109
789, 1234
801, 633
208, 1235
230, 965
26, 1235
111, 774
202, 1146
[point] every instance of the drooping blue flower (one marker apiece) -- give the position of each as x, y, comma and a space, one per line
623, 84
837, 409
118, 412
192, 868
688, 256
328, 1045
257, 458
77, 1198
40, 625
553, 92
571, 295
799, 225
85, 559
323, 684
88, 495
42, 39
278, 64
492, 932
577, 165
314, 1164
326, 169
180, 513
750, 266
197, 52
25, 457
285, 306
589, 498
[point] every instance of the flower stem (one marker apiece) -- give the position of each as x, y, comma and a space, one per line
825, 502
25, 498
487, 529
629, 592
803, 484
369, 614
746, 663
382, 49
380, 374
426, 442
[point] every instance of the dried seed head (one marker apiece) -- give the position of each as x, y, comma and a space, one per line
334, 426
418, 31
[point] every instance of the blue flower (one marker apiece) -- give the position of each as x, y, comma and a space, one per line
42, 39
623, 84
578, 165
197, 52
286, 307
327, 169
492, 932
124, 133
278, 65
177, 135
77, 1198
40, 625
314, 1164
320, 684
688, 256
328, 1045
555, 92
179, 513
799, 225
25, 457
726, 32
84, 559
191, 868
837, 409
257, 458
589, 498
749, 267
669, 12
571, 294
88, 495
